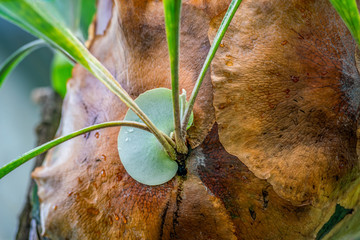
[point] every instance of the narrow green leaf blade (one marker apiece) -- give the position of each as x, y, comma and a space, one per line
234, 5
15, 58
45, 147
141, 154
61, 71
88, 9
28, 17
349, 13
75, 14
40, 24
172, 10
65, 11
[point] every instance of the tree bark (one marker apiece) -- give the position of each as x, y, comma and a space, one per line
50, 102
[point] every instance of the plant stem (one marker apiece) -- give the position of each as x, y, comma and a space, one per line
170, 141
13, 60
27, 16
45, 147
216, 42
172, 11
116, 88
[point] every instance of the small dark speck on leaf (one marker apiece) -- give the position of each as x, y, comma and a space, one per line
295, 79
252, 213
265, 195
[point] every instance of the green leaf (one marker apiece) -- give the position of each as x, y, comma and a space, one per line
348, 228
142, 156
88, 10
61, 10
45, 147
65, 11
183, 105
234, 5
15, 58
172, 10
40, 24
339, 214
77, 15
349, 13
61, 69
26, 15
35, 203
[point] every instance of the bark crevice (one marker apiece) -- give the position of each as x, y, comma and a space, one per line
50, 103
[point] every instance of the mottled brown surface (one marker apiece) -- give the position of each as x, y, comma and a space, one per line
287, 96
293, 128
147, 59
255, 209
83, 181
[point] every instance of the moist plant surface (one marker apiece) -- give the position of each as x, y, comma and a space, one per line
265, 145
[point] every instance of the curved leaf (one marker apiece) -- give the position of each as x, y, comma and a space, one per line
172, 10
234, 5
141, 154
348, 11
42, 25
61, 69
77, 15
349, 229
45, 147
15, 58
88, 9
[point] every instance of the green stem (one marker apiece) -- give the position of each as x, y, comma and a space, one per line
172, 11
13, 60
170, 141
62, 39
217, 40
116, 88
45, 147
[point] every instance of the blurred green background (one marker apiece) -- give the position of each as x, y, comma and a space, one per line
18, 114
